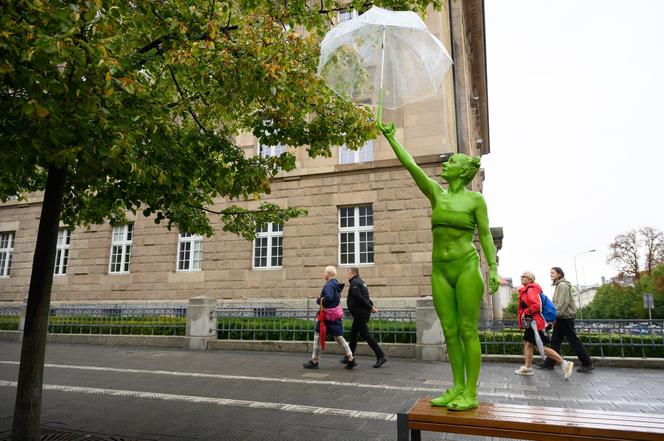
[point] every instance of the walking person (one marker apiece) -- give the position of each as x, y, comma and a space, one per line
530, 311
330, 300
563, 327
361, 307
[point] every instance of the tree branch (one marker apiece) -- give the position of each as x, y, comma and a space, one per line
191, 111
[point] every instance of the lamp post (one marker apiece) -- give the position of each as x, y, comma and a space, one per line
576, 275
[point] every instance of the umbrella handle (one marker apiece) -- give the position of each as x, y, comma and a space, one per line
382, 68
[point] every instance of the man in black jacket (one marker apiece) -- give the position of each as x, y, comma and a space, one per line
361, 307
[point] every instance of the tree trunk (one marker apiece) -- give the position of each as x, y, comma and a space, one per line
27, 411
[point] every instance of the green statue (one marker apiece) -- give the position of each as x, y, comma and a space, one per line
456, 281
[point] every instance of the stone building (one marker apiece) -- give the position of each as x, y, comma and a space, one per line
363, 209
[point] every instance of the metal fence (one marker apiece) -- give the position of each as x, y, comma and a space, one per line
9, 318
274, 323
602, 338
118, 320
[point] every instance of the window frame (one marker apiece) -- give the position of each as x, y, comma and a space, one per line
62, 253
356, 230
270, 150
7, 252
125, 260
357, 154
194, 240
353, 14
270, 235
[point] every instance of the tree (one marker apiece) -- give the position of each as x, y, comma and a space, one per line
120, 106
510, 311
616, 301
637, 251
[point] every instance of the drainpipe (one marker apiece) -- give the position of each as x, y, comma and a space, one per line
457, 117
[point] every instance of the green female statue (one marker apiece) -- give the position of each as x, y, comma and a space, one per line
456, 280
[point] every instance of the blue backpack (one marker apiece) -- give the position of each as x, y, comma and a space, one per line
549, 311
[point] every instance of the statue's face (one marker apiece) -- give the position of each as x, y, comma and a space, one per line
453, 167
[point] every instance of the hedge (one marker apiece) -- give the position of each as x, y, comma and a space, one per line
510, 342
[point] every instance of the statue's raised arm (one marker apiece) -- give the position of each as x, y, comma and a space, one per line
427, 185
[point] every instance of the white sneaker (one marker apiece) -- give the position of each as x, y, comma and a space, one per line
524, 371
568, 369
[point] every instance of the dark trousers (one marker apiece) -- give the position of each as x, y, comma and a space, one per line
360, 320
564, 328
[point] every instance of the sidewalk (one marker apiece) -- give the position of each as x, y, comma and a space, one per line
162, 394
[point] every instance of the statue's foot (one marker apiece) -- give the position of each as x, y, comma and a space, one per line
449, 396
463, 402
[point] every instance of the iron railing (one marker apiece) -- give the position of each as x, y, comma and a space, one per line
118, 320
602, 338
275, 323
9, 318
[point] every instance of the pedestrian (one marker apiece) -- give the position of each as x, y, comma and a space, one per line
361, 307
563, 327
530, 311
330, 300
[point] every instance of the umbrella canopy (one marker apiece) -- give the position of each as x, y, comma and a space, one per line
383, 49
322, 330
538, 340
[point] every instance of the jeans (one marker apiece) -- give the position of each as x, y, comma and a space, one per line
564, 327
360, 320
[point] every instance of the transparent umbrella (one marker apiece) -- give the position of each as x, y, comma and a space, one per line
383, 51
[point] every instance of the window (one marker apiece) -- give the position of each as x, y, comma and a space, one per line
62, 252
270, 150
348, 156
6, 251
356, 244
269, 246
346, 15
190, 252
121, 249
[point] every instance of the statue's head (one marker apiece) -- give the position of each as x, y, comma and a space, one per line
460, 166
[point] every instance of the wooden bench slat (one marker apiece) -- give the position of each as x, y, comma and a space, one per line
567, 417
634, 416
490, 418
509, 433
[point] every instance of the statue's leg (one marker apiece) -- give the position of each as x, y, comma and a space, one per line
443, 301
469, 292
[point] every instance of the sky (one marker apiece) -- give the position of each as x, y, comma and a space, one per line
576, 100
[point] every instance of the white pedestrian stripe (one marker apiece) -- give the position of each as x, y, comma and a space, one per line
212, 400
234, 377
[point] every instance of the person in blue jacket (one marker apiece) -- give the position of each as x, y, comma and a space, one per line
330, 299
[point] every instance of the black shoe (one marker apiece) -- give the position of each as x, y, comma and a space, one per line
585, 369
544, 365
351, 364
343, 360
380, 361
310, 365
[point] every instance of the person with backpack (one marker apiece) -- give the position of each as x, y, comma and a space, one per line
563, 327
530, 311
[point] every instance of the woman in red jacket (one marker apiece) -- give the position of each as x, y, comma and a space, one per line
530, 310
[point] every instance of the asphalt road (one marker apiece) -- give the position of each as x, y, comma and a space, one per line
155, 394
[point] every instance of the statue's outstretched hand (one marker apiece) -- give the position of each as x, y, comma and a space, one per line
388, 129
494, 281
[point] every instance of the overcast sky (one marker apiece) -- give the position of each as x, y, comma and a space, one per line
576, 100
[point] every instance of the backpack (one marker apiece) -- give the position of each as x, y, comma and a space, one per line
548, 310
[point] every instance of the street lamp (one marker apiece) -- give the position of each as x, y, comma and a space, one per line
576, 275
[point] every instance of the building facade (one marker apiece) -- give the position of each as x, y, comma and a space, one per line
363, 210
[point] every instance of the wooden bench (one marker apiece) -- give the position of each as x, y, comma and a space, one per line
530, 422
